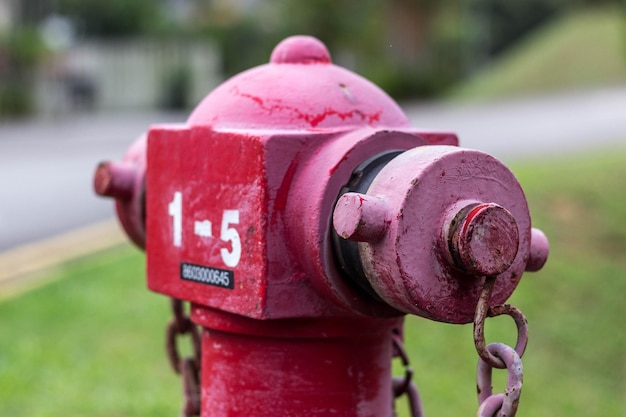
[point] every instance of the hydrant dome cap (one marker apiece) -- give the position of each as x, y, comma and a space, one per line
299, 89
300, 50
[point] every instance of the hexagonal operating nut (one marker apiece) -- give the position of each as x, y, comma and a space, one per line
482, 239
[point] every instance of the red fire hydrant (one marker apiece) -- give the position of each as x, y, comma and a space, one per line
303, 217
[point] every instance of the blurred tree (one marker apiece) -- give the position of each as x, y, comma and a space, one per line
20, 51
408, 47
505, 22
339, 24
112, 18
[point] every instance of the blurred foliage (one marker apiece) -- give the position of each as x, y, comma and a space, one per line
20, 52
176, 88
15, 100
22, 48
409, 48
561, 56
111, 18
504, 23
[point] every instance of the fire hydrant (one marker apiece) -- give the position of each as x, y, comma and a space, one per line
303, 217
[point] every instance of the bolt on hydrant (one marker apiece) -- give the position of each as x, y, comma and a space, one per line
303, 218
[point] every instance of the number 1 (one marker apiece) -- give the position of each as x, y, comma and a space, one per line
175, 209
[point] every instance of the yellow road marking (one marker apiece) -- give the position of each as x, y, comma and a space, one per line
23, 268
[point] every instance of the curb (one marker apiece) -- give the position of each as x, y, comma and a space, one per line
23, 268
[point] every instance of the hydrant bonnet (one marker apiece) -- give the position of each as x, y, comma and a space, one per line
299, 89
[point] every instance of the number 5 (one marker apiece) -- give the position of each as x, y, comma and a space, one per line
229, 234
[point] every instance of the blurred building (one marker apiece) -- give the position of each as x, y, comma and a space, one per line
126, 75
8, 11
78, 71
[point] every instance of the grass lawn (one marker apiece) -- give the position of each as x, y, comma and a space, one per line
583, 49
91, 342
88, 344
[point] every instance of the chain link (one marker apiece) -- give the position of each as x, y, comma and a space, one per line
189, 367
498, 355
405, 385
500, 405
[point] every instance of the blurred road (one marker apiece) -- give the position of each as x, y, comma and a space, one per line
46, 171
534, 126
46, 167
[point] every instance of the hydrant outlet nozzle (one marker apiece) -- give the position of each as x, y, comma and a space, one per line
360, 217
115, 179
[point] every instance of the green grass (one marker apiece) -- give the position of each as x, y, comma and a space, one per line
584, 49
91, 343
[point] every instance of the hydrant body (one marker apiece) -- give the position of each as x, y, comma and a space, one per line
303, 217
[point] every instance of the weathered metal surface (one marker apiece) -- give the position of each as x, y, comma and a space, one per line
313, 367
187, 367
360, 217
405, 385
498, 355
483, 239
500, 405
280, 176
485, 309
539, 250
454, 214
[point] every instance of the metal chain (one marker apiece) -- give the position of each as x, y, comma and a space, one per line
498, 355
189, 367
405, 385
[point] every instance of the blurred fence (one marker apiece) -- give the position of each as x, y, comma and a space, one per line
132, 74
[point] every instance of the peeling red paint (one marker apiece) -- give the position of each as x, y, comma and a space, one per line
313, 119
470, 216
283, 192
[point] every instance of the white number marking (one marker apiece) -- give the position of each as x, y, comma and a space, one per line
175, 210
203, 228
230, 234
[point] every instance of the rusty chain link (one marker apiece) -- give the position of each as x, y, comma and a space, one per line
501, 405
498, 355
405, 385
189, 367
